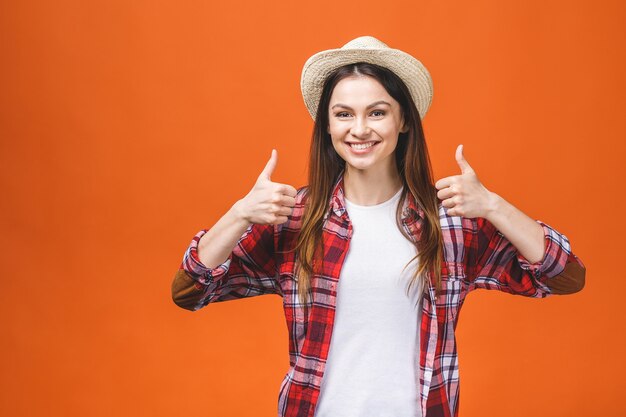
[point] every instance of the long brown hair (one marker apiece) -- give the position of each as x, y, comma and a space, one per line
414, 168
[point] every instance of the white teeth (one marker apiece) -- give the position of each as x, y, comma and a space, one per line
361, 145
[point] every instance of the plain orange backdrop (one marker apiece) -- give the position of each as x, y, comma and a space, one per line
127, 126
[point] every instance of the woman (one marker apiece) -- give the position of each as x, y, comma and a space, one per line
372, 252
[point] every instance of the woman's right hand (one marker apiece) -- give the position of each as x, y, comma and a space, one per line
268, 202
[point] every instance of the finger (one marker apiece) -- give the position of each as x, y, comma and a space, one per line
449, 202
279, 199
445, 182
445, 193
279, 219
275, 209
287, 201
286, 189
270, 166
284, 211
460, 159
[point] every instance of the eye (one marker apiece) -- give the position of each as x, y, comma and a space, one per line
378, 113
342, 114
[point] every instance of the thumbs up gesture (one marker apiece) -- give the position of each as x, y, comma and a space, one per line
268, 202
464, 195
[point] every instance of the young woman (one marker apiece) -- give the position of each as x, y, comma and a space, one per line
373, 259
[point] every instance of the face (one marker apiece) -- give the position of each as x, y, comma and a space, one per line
364, 124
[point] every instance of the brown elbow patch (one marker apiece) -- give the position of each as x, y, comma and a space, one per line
186, 292
570, 281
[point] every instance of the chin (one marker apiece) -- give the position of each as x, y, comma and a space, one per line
359, 166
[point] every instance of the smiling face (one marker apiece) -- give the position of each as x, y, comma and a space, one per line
364, 124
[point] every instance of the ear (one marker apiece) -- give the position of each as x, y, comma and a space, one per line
405, 127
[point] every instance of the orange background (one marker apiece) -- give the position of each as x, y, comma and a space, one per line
127, 126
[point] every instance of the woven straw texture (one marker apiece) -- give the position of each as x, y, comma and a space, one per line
371, 50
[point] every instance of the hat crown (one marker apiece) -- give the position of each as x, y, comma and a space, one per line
365, 49
365, 42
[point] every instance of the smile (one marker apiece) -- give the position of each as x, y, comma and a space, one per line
361, 147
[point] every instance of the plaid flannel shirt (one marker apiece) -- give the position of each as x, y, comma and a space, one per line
475, 255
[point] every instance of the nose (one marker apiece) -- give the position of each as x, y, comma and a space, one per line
359, 128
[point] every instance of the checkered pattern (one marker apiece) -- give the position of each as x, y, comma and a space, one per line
476, 255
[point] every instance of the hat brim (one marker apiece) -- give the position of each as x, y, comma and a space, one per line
411, 71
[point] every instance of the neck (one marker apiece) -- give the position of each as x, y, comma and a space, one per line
369, 187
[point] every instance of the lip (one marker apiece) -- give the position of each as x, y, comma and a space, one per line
361, 151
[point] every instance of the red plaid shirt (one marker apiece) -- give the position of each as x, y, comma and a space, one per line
475, 255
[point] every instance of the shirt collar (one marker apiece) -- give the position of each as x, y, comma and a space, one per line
410, 209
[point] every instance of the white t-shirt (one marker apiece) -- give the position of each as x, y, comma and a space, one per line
372, 365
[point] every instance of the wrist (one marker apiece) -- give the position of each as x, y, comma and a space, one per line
493, 206
239, 214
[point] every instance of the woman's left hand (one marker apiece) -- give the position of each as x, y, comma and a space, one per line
464, 195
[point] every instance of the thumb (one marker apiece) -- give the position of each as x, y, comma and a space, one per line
460, 159
270, 166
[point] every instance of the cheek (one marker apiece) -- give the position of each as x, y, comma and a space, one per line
389, 130
337, 145
392, 139
333, 129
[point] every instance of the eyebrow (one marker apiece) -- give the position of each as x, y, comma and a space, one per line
374, 104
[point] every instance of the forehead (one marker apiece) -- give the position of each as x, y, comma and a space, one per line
359, 89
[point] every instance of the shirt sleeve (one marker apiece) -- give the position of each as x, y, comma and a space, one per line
494, 263
249, 270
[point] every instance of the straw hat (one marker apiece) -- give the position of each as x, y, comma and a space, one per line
370, 50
